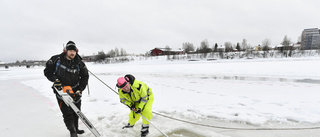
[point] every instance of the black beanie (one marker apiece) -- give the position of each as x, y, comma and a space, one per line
71, 46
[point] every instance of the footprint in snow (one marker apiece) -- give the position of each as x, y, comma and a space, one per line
93, 100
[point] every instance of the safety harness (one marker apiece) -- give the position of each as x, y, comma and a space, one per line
58, 64
76, 71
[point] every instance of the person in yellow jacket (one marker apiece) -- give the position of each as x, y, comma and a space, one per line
139, 98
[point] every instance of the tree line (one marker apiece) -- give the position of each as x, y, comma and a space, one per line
244, 49
230, 47
101, 56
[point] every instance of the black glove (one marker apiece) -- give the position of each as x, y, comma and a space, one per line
78, 93
133, 108
128, 126
138, 111
57, 84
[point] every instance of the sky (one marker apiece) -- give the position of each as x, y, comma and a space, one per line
38, 29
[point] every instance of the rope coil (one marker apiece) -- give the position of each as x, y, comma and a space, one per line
212, 126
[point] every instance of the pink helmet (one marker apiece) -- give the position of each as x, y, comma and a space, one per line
121, 83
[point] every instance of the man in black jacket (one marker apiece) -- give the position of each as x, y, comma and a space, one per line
68, 69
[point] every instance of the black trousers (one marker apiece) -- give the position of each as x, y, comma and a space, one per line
70, 118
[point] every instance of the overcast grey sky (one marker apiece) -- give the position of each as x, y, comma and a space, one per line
37, 29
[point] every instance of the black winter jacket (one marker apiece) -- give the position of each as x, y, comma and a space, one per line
72, 73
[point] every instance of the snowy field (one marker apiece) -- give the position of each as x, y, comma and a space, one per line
262, 93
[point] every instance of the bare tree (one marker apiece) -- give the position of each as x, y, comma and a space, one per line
286, 41
265, 47
101, 56
116, 52
244, 44
228, 46
123, 52
265, 44
111, 53
204, 47
286, 45
188, 47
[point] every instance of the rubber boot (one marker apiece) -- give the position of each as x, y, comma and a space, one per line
80, 131
144, 130
74, 134
76, 125
128, 126
73, 131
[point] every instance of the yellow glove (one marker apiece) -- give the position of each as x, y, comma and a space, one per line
57, 84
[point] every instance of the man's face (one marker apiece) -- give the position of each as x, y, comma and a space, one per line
71, 54
126, 88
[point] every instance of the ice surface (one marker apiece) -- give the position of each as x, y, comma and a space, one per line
255, 93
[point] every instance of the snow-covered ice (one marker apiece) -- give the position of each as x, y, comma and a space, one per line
236, 93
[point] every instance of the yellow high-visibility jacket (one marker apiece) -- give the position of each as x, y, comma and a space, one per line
138, 95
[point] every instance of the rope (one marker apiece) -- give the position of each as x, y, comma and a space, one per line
212, 126
103, 82
235, 128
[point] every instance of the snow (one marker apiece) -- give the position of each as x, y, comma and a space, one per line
232, 93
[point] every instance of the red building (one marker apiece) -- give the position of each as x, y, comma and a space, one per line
156, 52
163, 51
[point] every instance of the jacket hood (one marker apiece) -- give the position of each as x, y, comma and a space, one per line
131, 78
